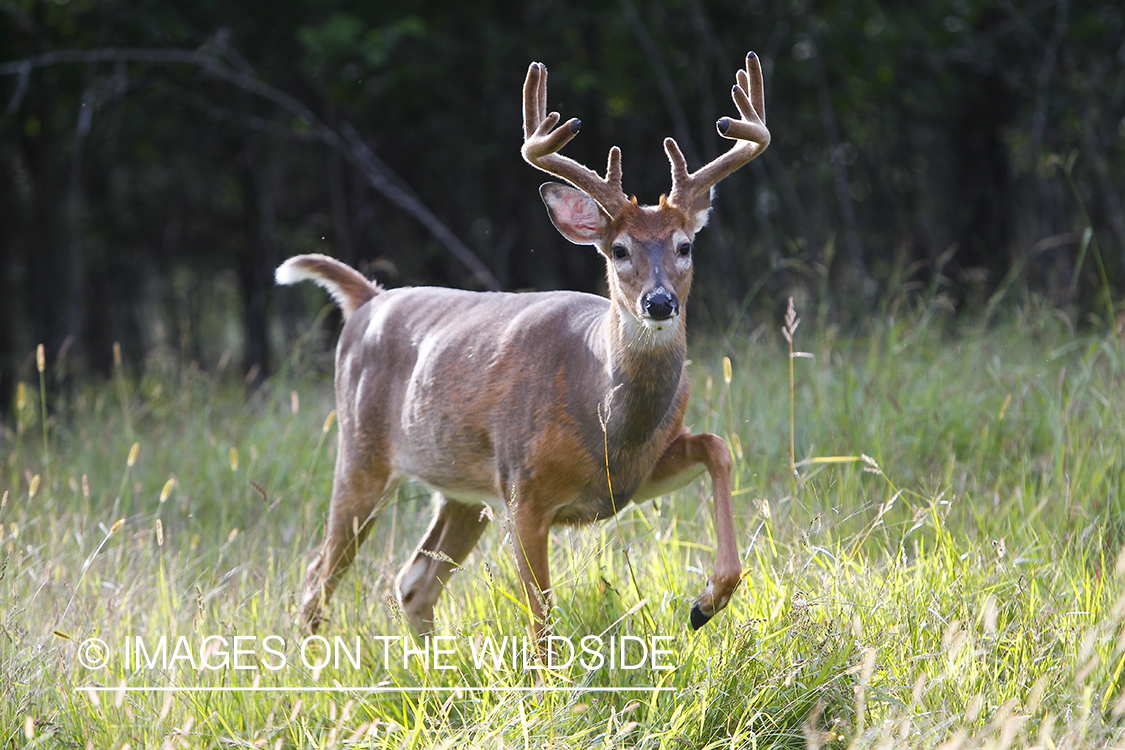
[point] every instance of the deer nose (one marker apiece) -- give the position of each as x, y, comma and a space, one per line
660, 304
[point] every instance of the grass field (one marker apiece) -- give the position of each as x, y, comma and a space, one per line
944, 568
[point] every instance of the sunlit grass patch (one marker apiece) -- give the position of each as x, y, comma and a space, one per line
936, 564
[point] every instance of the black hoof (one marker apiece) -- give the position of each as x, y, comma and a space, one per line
698, 619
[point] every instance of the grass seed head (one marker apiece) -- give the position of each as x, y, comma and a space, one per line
972, 711
1118, 709
1036, 696
868, 666
919, 688
988, 609
791, 322
1046, 730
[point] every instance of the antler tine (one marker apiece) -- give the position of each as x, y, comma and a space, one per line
749, 133
542, 141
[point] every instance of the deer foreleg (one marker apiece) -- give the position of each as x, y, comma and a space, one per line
685, 459
529, 536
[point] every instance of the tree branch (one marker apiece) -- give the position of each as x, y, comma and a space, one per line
349, 145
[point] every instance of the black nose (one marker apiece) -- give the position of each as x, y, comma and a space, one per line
661, 304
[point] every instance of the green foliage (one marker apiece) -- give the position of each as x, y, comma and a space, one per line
910, 142
342, 40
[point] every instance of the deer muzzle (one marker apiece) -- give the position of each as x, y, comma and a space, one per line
660, 304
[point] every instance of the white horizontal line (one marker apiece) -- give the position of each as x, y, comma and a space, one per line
318, 689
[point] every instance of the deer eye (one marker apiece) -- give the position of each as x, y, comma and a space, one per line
685, 249
619, 252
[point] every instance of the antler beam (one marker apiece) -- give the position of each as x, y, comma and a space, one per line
542, 141
749, 133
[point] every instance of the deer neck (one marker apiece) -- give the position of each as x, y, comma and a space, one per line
645, 369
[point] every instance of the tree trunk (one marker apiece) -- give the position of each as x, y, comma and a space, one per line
261, 258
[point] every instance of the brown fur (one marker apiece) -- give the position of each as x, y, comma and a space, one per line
486, 395
525, 400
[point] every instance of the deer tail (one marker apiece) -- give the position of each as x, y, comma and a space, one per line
346, 285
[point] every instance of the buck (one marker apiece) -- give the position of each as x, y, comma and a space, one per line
555, 407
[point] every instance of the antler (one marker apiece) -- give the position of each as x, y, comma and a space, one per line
542, 142
749, 132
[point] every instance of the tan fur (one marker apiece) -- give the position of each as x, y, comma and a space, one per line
346, 285
521, 400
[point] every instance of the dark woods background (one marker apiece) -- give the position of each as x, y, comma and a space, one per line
159, 159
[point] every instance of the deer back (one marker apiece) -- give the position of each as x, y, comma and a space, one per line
470, 392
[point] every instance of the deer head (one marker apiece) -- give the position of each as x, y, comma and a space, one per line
648, 249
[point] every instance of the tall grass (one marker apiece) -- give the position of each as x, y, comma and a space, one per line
933, 561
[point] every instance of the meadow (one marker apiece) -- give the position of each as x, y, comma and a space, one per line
931, 515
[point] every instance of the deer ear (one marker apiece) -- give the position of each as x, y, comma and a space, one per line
700, 210
576, 215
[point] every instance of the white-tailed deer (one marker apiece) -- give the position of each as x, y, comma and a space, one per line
559, 407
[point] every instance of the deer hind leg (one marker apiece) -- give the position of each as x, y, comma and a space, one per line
453, 533
357, 496
686, 458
